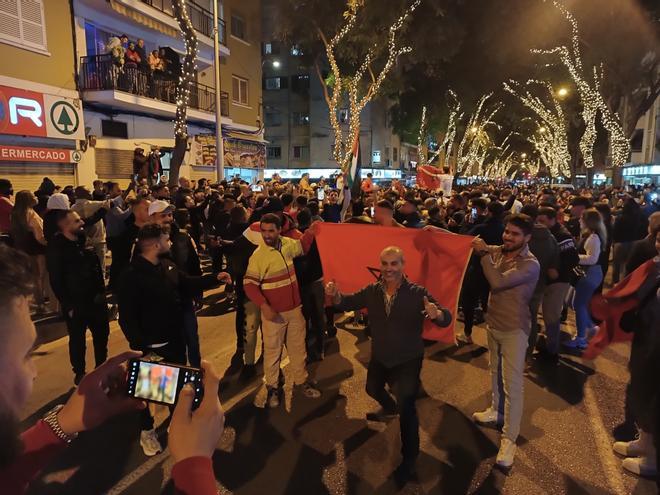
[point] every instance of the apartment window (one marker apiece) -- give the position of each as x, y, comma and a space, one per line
272, 83
273, 119
300, 118
240, 90
271, 48
395, 155
238, 27
300, 82
296, 51
22, 23
343, 116
637, 140
275, 152
300, 152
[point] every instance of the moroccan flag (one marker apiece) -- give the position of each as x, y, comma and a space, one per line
609, 308
428, 177
355, 171
350, 254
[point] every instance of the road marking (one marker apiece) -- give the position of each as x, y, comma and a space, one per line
144, 468
609, 462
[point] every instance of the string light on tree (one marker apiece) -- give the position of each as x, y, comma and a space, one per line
187, 77
591, 97
476, 142
349, 87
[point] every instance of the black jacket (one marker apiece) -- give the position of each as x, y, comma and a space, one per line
396, 338
568, 253
183, 252
74, 272
641, 251
150, 301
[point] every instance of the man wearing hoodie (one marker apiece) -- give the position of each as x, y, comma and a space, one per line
544, 247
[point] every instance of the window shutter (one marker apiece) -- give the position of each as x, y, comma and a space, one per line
22, 22
284, 82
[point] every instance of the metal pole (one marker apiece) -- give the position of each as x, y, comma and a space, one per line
219, 148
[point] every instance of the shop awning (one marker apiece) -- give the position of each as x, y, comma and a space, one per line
144, 19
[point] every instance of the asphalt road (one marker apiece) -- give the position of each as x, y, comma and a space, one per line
326, 446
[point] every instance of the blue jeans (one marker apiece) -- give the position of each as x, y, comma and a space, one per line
190, 334
584, 291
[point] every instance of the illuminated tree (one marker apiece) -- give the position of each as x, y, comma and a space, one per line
476, 142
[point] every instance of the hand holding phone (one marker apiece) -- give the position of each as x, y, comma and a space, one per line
196, 433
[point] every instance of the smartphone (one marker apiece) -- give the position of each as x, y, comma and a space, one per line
257, 187
162, 382
320, 194
473, 213
372, 211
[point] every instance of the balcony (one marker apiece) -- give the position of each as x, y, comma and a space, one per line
201, 19
102, 81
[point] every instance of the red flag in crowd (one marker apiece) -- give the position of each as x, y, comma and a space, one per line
350, 254
609, 308
428, 177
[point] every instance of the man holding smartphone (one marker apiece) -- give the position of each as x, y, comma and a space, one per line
151, 309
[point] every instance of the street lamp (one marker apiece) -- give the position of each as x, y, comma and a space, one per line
523, 156
542, 130
276, 64
562, 92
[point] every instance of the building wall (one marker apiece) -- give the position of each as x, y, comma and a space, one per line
56, 68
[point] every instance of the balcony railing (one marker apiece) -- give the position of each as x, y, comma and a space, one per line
99, 72
201, 19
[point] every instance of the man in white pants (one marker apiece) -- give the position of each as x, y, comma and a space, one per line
512, 272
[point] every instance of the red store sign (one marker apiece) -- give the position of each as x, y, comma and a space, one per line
44, 155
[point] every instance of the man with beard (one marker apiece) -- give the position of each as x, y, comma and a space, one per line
151, 309
77, 281
512, 272
397, 310
184, 254
100, 396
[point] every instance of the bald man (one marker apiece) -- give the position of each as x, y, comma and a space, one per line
397, 310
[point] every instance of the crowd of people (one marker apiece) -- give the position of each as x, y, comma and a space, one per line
538, 252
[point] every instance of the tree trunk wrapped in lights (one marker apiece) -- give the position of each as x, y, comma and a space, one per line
591, 98
476, 142
445, 147
339, 86
183, 88
551, 137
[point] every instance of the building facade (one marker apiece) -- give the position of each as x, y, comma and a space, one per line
296, 119
41, 116
644, 166
131, 104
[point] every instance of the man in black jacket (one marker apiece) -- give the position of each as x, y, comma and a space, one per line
184, 255
151, 310
397, 310
555, 291
77, 281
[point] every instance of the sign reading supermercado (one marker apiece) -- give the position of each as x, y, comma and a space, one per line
46, 155
29, 113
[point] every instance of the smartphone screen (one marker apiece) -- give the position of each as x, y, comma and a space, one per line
320, 194
474, 213
161, 382
257, 187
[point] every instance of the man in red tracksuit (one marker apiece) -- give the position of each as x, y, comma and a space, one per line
101, 395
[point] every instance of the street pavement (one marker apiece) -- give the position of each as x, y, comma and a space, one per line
326, 446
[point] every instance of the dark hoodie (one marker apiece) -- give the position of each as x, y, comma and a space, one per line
544, 247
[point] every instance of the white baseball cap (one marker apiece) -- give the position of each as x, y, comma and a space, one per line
58, 201
160, 206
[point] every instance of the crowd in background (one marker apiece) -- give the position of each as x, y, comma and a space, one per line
578, 237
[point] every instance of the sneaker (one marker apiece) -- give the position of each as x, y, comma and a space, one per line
78, 378
308, 390
577, 343
463, 338
506, 453
273, 398
489, 416
637, 448
149, 442
641, 466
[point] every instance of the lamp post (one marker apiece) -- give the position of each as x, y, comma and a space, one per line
219, 146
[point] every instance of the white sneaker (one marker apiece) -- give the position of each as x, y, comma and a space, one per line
149, 442
506, 453
641, 466
462, 338
489, 416
642, 445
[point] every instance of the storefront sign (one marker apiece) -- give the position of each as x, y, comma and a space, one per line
45, 155
238, 152
29, 113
